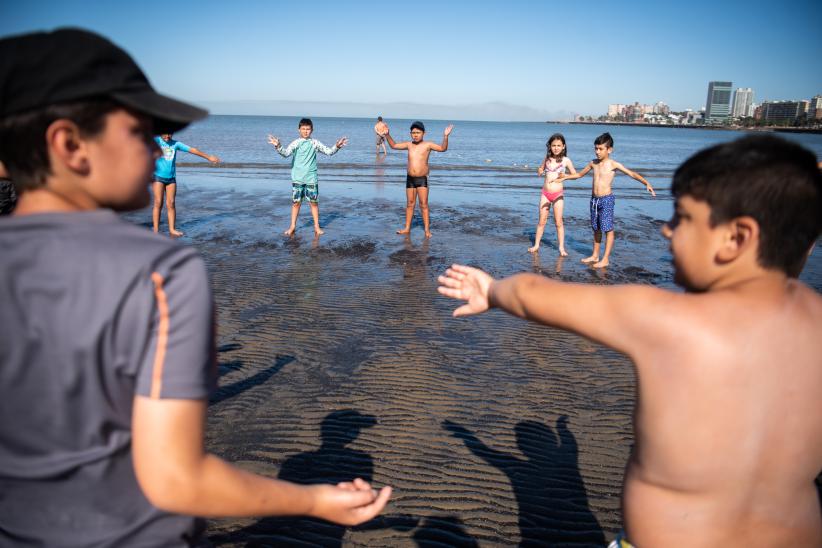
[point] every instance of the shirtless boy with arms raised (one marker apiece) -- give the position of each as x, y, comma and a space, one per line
416, 183
728, 439
602, 197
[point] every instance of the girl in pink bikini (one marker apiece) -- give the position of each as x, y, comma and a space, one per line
556, 162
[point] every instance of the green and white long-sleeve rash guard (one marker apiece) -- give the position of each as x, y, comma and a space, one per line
303, 154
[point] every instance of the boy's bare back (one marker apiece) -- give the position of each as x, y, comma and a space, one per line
728, 436
728, 440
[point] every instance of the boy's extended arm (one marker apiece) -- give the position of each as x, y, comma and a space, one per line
444, 146
575, 174
201, 154
330, 151
395, 145
632, 319
285, 153
177, 475
636, 176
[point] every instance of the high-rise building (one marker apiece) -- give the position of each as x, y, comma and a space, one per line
782, 111
718, 104
815, 108
743, 103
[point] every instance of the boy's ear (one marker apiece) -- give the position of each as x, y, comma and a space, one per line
66, 146
741, 236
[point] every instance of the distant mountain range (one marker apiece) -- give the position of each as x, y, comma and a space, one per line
492, 112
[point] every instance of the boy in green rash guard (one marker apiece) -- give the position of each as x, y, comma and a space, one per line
303, 152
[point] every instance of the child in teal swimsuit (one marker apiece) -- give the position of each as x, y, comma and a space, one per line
304, 185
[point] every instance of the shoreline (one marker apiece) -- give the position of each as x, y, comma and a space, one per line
778, 129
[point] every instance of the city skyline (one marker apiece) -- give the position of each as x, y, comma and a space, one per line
527, 59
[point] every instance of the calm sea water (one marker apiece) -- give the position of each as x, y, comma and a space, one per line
508, 148
490, 165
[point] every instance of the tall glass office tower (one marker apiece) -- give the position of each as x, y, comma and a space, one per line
718, 105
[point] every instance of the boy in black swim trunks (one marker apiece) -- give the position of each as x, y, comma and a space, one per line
416, 183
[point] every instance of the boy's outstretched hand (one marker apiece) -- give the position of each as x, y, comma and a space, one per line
651, 190
448, 130
467, 284
341, 142
214, 159
273, 140
349, 503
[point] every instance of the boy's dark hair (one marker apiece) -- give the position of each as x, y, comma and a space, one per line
306, 122
379, 118
772, 180
605, 139
23, 148
551, 139
418, 125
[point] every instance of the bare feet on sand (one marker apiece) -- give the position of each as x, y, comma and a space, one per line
601, 264
533, 248
175, 232
318, 231
428, 234
290, 231
404, 231
591, 259
562, 252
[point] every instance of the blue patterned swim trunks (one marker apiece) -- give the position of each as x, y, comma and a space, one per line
304, 191
602, 213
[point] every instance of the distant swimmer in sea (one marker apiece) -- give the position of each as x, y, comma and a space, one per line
602, 197
304, 184
416, 182
380, 129
555, 164
728, 440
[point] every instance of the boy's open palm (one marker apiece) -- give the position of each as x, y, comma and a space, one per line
447, 131
341, 142
467, 284
273, 140
349, 503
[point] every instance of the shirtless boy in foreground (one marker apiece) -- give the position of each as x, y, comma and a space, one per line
728, 439
416, 183
602, 197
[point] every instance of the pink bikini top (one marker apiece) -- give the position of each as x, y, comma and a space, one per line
560, 167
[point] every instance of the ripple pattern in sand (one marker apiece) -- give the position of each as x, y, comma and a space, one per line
338, 359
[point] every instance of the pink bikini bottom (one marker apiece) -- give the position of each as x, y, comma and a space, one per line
552, 196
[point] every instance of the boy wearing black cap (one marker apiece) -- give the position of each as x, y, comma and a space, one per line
416, 182
108, 339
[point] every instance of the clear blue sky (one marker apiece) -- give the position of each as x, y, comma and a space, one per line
551, 56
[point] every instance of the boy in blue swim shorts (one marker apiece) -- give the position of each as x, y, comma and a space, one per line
304, 184
602, 197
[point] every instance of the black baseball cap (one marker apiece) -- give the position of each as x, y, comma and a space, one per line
46, 68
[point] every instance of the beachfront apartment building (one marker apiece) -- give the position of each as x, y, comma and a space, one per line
718, 103
743, 103
784, 111
815, 107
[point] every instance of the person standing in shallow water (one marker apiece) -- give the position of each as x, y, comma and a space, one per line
304, 182
165, 179
416, 182
379, 129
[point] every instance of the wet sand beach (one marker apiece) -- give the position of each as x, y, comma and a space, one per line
337, 359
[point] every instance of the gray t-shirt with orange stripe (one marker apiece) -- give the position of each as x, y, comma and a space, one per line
93, 311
